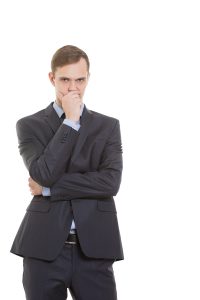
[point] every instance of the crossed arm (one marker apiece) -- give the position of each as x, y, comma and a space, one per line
101, 183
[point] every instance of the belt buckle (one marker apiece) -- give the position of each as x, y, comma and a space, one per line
71, 243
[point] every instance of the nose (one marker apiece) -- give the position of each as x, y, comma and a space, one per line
72, 85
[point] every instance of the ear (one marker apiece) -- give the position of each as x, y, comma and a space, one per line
52, 78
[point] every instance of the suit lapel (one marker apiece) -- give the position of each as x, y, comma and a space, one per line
52, 118
85, 123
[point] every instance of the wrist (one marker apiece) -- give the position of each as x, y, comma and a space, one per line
72, 117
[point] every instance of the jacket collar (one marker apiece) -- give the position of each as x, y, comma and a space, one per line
54, 120
52, 117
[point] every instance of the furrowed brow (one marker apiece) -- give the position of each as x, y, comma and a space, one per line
63, 77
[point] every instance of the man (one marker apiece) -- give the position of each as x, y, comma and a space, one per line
69, 236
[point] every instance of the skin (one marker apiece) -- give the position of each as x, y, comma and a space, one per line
70, 82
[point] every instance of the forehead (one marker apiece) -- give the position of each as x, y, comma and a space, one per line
78, 69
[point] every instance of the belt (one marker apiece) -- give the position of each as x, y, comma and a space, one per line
72, 239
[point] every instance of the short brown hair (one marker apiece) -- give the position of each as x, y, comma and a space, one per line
68, 55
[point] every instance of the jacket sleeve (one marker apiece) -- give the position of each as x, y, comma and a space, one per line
104, 182
45, 163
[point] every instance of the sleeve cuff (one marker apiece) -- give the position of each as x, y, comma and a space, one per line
73, 124
46, 191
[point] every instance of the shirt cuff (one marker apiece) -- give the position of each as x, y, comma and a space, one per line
46, 191
73, 124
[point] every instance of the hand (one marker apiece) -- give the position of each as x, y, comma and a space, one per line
71, 104
35, 188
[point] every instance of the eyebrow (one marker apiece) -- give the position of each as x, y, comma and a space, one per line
63, 77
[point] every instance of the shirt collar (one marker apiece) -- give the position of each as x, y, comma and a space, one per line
60, 111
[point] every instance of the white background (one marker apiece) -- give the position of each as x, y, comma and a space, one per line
145, 71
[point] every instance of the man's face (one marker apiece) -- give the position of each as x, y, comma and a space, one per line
70, 78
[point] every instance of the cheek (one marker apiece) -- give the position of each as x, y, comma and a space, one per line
82, 90
61, 87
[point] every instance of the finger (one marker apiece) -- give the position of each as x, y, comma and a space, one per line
73, 93
76, 97
31, 181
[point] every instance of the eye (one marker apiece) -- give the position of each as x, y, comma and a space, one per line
64, 79
80, 80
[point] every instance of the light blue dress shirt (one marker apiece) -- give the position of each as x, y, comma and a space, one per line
75, 125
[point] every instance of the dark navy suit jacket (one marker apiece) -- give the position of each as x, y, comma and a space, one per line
83, 170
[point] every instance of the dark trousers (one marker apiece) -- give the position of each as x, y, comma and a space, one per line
86, 278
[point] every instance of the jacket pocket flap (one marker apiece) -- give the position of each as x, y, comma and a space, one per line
39, 205
106, 205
